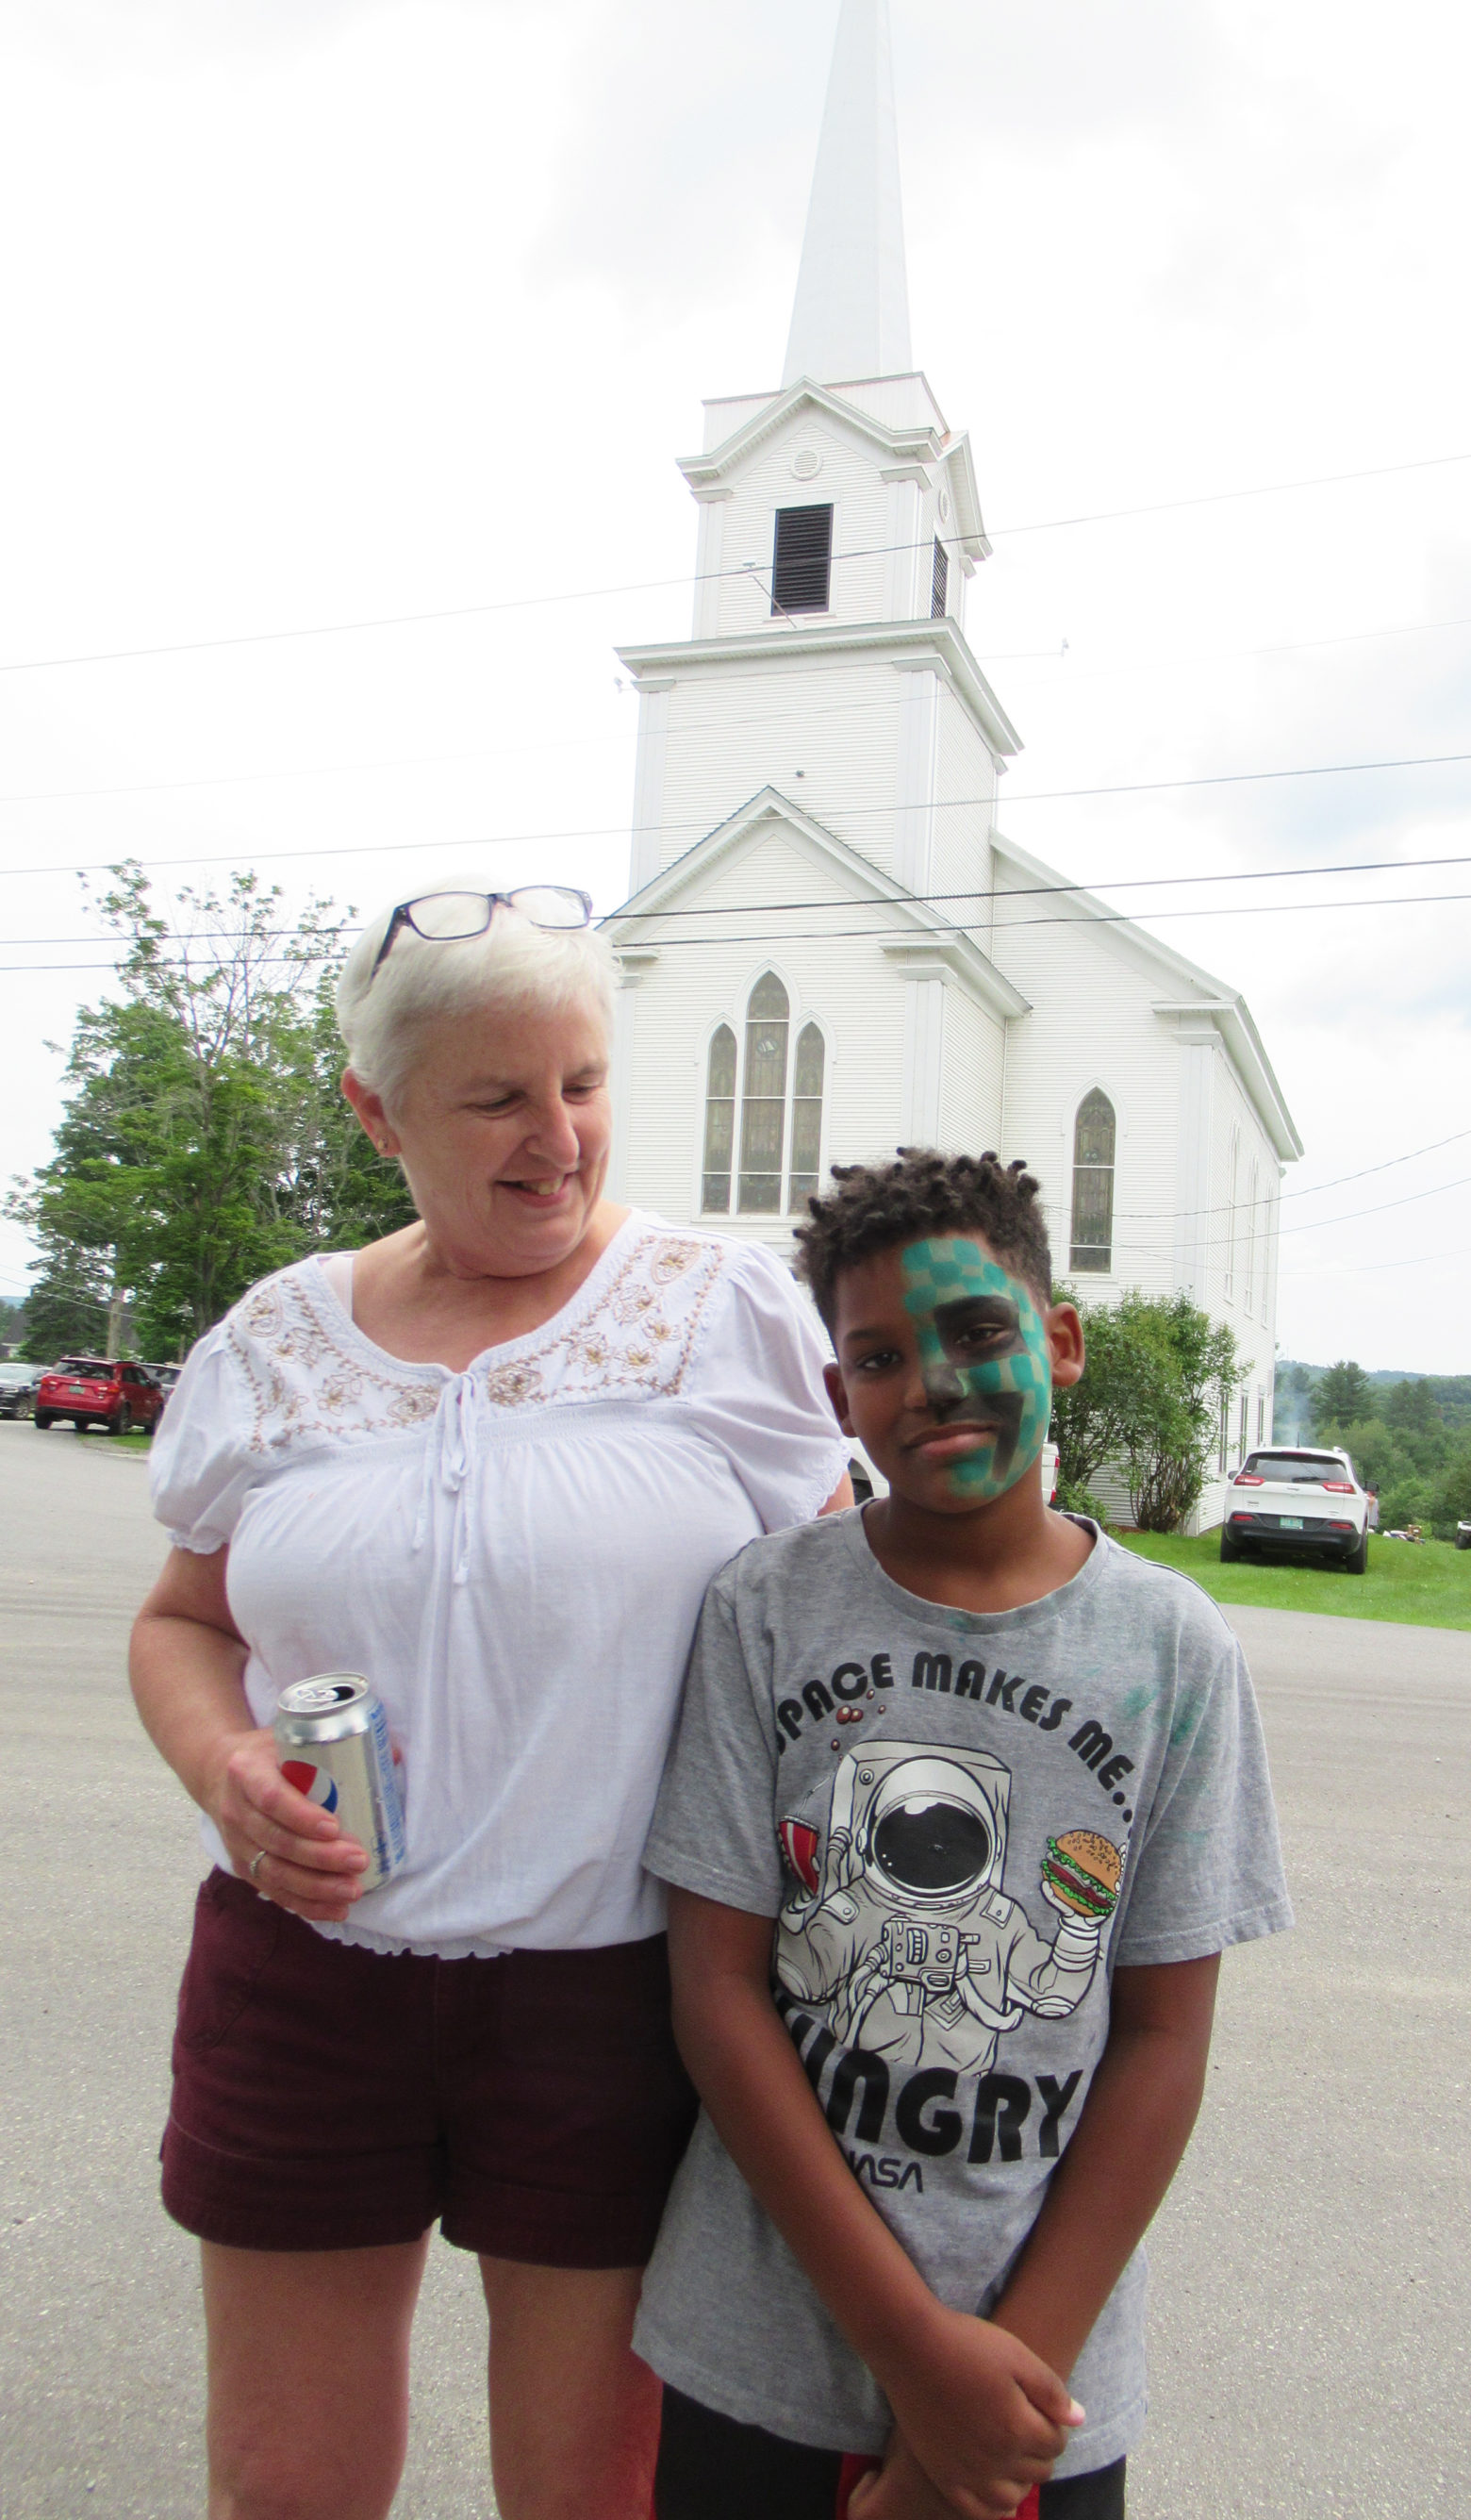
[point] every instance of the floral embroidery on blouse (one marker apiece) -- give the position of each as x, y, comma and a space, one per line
307, 1380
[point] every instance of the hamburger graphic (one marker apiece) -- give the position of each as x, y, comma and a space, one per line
1083, 1870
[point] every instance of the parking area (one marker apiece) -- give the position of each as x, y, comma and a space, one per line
1312, 2293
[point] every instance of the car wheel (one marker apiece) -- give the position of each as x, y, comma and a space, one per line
43, 1419
1229, 1553
1357, 1563
122, 1423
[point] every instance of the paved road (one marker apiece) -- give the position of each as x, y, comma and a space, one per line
1313, 2302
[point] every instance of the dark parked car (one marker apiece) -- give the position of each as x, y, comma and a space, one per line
17, 1387
95, 1391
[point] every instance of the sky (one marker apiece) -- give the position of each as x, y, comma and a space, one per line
322, 313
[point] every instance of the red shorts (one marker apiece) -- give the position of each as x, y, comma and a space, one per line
331, 2098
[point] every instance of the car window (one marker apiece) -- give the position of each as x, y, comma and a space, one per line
86, 1368
12, 1376
1294, 1469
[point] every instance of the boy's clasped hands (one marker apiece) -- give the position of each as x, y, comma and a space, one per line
980, 2421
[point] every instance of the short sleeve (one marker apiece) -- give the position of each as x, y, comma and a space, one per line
201, 1468
1207, 1871
760, 1394
714, 1827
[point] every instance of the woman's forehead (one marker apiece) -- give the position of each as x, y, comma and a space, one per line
507, 1045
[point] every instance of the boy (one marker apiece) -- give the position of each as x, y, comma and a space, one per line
1002, 1786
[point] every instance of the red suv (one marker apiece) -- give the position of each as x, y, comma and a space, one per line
91, 1391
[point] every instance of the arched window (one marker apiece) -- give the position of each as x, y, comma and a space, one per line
766, 1102
806, 1118
720, 1122
763, 1101
1093, 1138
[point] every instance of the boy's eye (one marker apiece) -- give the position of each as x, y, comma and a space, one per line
881, 1359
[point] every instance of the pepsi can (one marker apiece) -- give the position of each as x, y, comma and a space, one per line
333, 1743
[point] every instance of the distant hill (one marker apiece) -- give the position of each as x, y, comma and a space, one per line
1452, 1392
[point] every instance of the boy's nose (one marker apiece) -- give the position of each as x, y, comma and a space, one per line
942, 1386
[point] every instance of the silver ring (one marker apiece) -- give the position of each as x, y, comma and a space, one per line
256, 1861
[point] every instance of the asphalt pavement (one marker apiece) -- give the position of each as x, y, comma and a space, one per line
1311, 2298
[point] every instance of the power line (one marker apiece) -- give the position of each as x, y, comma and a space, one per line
846, 813
928, 900
1215, 498
1266, 1200
778, 722
939, 933
646, 586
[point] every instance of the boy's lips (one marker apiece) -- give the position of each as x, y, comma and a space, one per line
963, 1435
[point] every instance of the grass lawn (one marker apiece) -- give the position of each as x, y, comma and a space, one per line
111, 1443
1429, 1587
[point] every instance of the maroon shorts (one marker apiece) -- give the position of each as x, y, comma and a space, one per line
331, 2098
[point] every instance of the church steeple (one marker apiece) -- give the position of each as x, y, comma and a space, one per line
852, 312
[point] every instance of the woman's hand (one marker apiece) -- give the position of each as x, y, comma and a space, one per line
188, 1670
293, 1852
981, 2420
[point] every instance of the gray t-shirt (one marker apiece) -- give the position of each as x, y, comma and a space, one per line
961, 1822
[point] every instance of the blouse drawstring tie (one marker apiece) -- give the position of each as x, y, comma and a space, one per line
450, 1463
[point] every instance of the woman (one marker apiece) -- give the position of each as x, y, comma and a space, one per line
491, 1463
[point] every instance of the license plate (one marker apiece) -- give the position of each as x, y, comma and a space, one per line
1289, 1522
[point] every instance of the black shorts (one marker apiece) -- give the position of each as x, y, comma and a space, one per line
713, 2468
332, 2098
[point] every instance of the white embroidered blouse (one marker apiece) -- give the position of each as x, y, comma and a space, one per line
515, 1555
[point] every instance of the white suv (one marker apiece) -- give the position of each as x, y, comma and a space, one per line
1283, 1499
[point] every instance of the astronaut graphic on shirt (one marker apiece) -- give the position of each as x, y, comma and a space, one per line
900, 1931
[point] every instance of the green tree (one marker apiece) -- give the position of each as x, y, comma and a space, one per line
1098, 1421
1167, 1465
204, 1140
1411, 1408
1148, 1406
1344, 1393
1451, 1499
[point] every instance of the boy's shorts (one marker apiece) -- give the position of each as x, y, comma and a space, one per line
713, 2468
326, 2097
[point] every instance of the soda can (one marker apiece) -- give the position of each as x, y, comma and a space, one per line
333, 1743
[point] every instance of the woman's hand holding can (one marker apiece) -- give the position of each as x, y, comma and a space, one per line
293, 1852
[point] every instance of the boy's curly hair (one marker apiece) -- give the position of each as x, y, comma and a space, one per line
876, 1206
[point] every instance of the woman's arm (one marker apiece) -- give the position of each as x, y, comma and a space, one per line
1123, 2154
186, 1665
981, 2412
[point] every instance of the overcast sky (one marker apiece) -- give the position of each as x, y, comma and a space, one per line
319, 310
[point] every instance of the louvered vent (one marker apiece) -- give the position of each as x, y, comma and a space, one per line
802, 564
939, 590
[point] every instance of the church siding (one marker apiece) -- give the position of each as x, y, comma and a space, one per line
733, 731
851, 480
965, 793
971, 1094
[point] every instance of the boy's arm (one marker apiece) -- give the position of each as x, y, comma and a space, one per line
1123, 2154
979, 2408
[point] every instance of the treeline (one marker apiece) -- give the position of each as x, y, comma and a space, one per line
1409, 1439
204, 1139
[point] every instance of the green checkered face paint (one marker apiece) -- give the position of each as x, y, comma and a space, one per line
984, 1357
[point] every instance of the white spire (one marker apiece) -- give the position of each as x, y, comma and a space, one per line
852, 312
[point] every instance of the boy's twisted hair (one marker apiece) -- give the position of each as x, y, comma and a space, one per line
875, 1206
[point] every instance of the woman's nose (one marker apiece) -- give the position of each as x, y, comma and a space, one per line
554, 1135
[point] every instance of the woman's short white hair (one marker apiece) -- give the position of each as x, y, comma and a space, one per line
511, 966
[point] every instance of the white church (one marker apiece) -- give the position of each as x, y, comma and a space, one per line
830, 948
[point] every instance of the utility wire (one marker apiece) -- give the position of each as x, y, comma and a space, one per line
597, 594
847, 813
940, 932
778, 722
929, 900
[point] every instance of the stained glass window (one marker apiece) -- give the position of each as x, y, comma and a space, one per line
1093, 1138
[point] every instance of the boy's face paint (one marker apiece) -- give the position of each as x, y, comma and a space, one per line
983, 1357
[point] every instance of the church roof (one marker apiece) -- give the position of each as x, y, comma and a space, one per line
912, 928
852, 312
1191, 992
